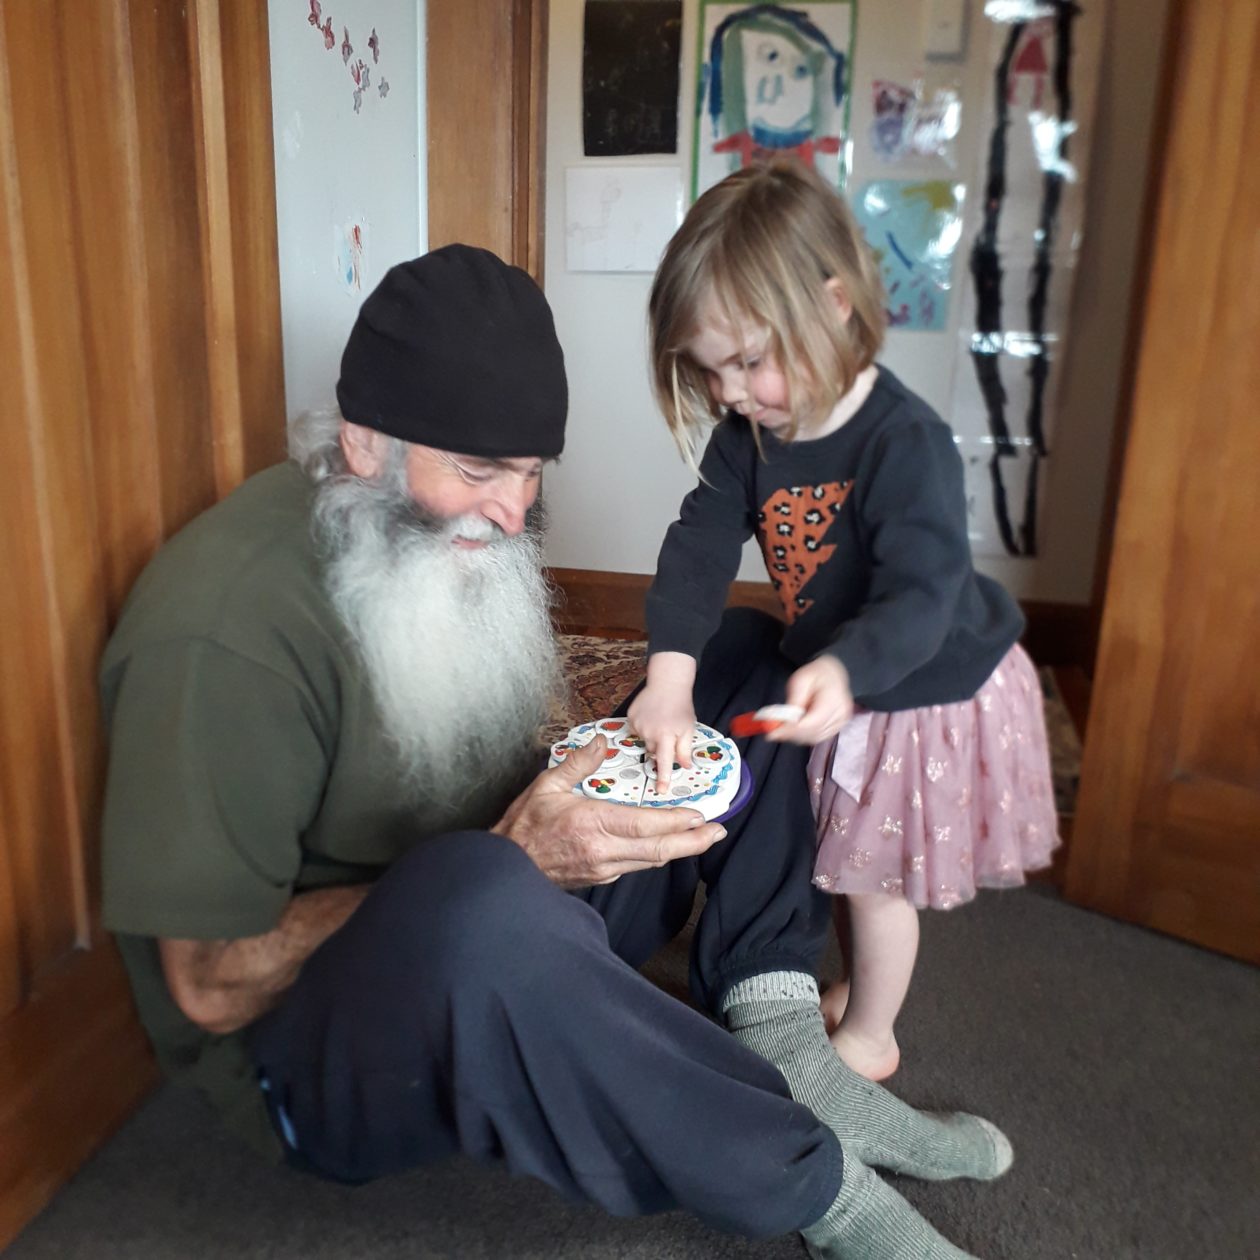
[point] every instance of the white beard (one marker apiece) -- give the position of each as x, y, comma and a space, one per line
457, 644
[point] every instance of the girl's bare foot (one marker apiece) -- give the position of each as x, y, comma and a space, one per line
834, 1000
876, 1060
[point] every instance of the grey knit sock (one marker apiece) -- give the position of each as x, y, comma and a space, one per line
871, 1221
776, 1015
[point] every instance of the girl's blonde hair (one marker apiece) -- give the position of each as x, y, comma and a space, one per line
762, 246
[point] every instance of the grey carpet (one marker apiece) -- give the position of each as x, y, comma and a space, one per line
1124, 1065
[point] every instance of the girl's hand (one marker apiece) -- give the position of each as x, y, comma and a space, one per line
821, 688
663, 713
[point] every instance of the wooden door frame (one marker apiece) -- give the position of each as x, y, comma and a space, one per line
486, 91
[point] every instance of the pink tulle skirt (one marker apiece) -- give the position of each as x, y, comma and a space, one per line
939, 800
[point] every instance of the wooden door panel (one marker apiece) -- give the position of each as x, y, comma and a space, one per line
1167, 831
1207, 814
71, 1065
179, 442
121, 302
105, 156
36, 823
10, 939
62, 599
1183, 893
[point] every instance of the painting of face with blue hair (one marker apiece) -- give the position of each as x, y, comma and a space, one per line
773, 80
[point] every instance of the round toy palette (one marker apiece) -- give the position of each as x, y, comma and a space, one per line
716, 783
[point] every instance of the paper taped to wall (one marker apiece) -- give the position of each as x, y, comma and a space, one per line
620, 218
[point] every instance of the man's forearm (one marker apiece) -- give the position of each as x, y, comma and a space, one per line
224, 985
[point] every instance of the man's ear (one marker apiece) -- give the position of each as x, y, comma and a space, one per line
841, 298
363, 448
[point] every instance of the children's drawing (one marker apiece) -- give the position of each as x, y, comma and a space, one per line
350, 255
914, 122
1026, 234
893, 104
772, 80
1030, 71
997, 486
913, 228
620, 218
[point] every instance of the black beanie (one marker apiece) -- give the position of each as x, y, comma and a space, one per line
457, 350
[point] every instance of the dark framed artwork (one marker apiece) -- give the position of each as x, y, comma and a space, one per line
630, 56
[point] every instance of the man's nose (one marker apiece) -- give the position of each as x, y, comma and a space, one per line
509, 504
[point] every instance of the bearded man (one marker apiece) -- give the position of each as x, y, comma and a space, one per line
357, 917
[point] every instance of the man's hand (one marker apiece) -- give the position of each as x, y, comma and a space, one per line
821, 688
663, 714
577, 842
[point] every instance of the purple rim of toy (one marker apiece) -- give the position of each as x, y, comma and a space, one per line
742, 796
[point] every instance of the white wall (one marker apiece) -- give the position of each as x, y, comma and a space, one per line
621, 481
336, 167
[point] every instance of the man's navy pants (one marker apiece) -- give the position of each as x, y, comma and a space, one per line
471, 1006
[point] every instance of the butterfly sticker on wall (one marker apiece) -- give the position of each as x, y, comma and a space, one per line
326, 30
360, 71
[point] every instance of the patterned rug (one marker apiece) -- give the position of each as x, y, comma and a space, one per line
601, 673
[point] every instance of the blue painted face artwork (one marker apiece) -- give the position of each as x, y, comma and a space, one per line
774, 82
778, 84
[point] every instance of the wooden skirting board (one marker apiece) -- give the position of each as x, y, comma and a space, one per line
594, 602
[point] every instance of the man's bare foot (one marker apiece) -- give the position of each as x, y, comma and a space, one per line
834, 1001
876, 1060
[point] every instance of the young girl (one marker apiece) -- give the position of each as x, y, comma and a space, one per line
766, 315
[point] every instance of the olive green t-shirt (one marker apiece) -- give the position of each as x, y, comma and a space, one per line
246, 761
